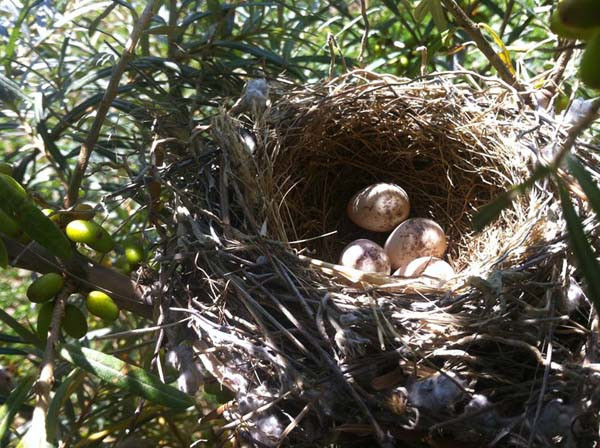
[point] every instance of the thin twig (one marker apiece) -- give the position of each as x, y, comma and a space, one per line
506, 18
36, 436
109, 95
365, 36
473, 31
559, 70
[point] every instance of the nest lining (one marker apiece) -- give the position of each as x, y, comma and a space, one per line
325, 360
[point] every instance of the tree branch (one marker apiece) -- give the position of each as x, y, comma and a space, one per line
109, 95
85, 274
473, 31
36, 436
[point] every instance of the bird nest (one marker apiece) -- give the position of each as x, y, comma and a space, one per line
316, 354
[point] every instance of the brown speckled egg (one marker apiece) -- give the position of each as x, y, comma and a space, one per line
414, 238
379, 207
366, 256
437, 271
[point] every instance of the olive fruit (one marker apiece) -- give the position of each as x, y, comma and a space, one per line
44, 319
589, 69
100, 304
104, 244
90, 233
45, 287
52, 215
579, 13
73, 322
134, 253
569, 32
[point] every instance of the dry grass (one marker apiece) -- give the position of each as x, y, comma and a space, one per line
329, 362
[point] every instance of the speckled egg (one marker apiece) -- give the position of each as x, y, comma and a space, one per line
366, 256
379, 207
435, 271
414, 238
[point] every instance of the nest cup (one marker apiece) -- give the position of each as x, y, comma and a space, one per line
452, 150
316, 358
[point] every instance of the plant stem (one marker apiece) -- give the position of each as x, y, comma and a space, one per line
36, 436
109, 95
473, 30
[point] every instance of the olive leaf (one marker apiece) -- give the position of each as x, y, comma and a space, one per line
126, 376
13, 404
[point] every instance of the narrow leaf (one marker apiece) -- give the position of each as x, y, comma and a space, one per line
172, 31
94, 25
503, 54
421, 10
582, 250
438, 15
66, 388
13, 404
25, 334
126, 376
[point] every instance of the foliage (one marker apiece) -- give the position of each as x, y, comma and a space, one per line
57, 59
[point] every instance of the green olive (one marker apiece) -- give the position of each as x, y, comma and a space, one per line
589, 68
53, 215
45, 287
580, 13
102, 305
90, 233
569, 32
134, 253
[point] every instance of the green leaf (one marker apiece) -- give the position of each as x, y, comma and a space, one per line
503, 54
438, 15
13, 404
66, 388
491, 211
26, 335
586, 258
172, 31
586, 181
31, 219
253, 50
391, 5
94, 25
422, 9
126, 376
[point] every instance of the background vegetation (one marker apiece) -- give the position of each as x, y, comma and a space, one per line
56, 62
